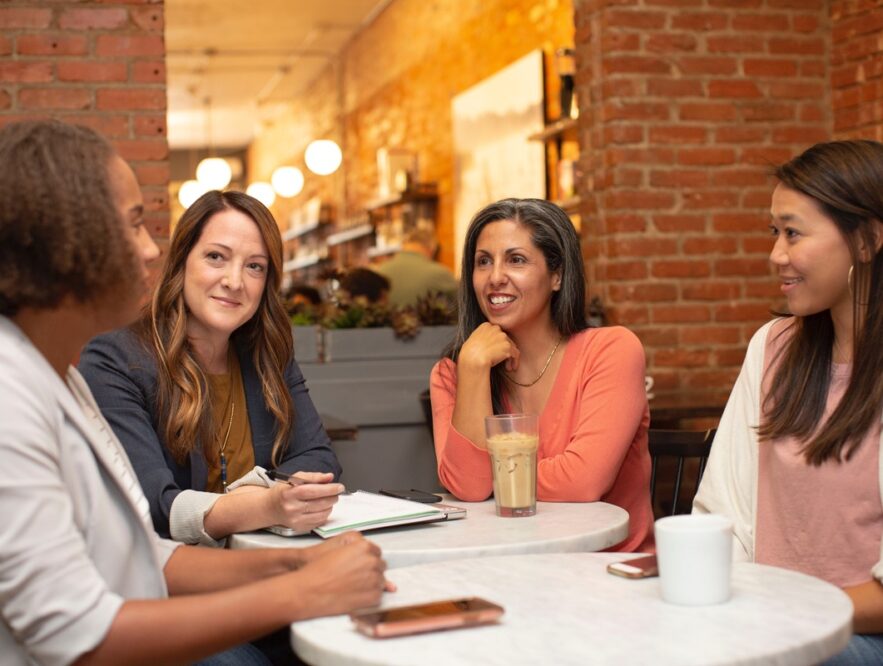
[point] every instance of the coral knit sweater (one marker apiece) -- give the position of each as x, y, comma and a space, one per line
593, 433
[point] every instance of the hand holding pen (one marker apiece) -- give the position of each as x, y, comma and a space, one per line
303, 502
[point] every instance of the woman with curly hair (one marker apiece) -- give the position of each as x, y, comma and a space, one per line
203, 391
84, 578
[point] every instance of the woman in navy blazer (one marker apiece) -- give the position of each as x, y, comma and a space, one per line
205, 387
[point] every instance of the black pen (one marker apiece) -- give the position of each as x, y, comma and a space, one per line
276, 475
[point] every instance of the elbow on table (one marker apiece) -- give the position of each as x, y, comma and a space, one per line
477, 490
565, 491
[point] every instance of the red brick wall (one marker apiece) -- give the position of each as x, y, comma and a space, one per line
100, 65
857, 68
691, 102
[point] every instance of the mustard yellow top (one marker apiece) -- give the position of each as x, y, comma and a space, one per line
228, 398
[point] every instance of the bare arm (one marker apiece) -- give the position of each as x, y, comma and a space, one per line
340, 578
867, 601
254, 507
486, 347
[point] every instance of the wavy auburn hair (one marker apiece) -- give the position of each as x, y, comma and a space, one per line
183, 400
845, 180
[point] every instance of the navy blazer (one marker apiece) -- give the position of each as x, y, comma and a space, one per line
122, 375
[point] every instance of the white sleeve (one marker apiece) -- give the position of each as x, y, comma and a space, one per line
189, 508
729, 486
54, 602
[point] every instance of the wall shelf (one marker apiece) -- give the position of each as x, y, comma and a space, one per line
564, 128
349, 234
301, 262
297, 232
383, 251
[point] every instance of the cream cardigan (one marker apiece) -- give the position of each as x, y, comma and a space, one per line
729, 486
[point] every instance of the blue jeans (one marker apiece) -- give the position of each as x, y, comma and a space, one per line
862, 649
271, 650
241, 655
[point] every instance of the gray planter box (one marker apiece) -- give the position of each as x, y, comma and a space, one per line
351, 344
306, 343
374, 380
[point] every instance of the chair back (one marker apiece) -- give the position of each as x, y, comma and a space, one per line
682, 446
426, 406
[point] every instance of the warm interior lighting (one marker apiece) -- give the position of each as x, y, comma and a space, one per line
190, 191
214, 173
263, 192
323, 157
288, 181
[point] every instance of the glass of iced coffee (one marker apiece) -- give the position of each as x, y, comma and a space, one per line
512, 441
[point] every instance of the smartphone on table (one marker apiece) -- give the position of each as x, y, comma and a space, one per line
412, 495
432, 616
639, 567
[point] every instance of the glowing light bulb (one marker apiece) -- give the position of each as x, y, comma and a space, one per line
190, 191
214, 173
323, 157
288, 181
263, 192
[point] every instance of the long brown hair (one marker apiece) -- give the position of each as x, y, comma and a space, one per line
845, 179
185, 415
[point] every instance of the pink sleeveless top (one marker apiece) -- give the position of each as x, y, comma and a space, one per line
825, 521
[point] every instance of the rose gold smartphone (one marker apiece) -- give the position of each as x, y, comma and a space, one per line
640, 567
433, 616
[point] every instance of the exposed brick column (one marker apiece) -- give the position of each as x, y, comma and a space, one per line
689, 102
857, 69
100, 66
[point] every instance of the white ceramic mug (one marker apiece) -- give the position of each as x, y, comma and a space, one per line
695, 555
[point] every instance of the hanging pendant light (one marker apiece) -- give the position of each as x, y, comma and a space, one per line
214, 173
288, 181
190, 191
263, 192
323, 157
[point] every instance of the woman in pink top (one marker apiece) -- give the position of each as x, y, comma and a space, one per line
523, 345
797, 458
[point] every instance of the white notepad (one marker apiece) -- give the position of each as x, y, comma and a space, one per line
363, 511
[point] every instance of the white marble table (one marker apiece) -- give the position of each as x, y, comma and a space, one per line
556, 528
566, 609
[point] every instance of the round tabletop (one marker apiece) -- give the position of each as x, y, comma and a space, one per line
566, 609
557, 527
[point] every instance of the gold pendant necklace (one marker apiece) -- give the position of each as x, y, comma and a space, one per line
224, 445
542, 372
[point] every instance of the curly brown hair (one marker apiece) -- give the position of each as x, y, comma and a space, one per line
60, 232
182, 393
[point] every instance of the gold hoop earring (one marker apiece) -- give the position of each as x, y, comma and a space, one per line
849, 280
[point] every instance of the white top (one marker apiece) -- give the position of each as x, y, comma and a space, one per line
557, 527
76, 539
729, 485
566, 609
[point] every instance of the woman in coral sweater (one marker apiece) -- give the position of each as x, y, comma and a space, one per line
523, 345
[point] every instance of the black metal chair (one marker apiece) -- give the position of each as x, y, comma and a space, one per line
426, 406
682, 445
